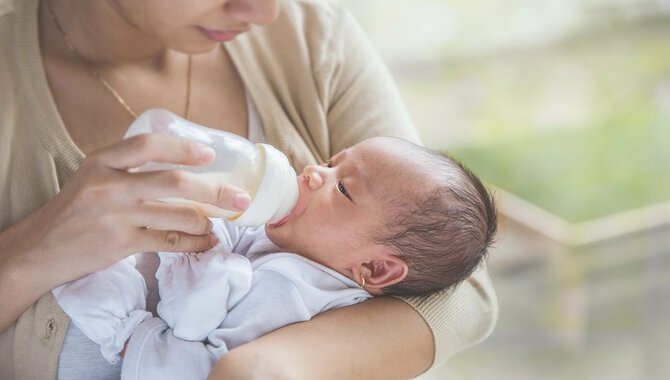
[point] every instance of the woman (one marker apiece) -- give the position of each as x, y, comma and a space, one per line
73, 77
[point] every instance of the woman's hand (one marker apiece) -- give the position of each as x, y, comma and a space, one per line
105, 213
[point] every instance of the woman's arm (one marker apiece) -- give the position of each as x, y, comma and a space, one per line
383, 338
101, 216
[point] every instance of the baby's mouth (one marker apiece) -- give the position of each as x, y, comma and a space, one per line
280, 222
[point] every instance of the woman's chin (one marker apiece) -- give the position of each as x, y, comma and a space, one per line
195, 47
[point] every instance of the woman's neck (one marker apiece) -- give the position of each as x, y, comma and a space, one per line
102, 34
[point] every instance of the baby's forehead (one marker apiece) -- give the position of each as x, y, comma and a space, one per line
395, 170
392, 158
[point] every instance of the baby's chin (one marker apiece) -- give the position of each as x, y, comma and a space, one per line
282, 241
275, 236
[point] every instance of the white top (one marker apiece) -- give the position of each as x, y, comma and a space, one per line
215, 301
211, 302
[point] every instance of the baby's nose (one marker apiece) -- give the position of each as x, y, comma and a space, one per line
314, 175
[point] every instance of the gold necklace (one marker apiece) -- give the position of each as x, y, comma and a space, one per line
104, 82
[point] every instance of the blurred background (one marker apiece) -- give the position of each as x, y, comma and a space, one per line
564, 107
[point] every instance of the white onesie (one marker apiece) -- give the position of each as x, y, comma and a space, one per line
211, 302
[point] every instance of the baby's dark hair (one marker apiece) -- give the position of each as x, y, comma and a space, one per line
445, 234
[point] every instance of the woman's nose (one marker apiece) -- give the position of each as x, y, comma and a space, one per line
259, 12
315, 176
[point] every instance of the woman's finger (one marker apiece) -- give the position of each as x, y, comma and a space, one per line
181, 184
170, 217
153, 147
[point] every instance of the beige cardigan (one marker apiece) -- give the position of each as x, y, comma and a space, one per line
318, 87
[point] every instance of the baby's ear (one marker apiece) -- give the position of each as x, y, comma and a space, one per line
385, 271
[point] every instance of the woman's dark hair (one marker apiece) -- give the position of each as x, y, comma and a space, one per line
445, 234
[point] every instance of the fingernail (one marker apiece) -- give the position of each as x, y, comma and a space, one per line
206, 153
242, 200
209, 225
213, 240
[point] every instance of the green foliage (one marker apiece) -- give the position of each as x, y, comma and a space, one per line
582, 174
581, 129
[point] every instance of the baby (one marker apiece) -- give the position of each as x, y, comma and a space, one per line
384, 217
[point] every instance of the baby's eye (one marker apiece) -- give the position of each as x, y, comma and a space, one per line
342, 189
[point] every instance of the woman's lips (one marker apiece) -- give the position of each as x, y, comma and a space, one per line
220, 35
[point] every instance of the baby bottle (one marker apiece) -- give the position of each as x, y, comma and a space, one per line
259, 169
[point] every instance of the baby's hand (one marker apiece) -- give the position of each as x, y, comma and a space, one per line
106, 305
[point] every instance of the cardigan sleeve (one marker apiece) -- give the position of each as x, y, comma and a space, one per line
364, 102
461, 317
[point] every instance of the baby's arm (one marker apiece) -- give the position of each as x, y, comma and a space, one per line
284, 290
198, 289
106, 305
246, 241
154, 352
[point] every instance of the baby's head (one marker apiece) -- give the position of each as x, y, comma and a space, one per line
406, 219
